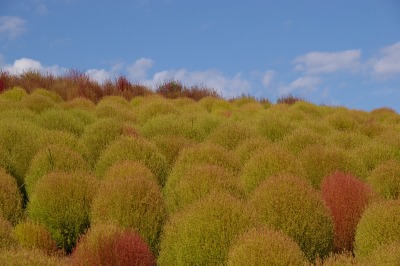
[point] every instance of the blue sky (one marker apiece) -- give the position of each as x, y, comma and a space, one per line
334, 52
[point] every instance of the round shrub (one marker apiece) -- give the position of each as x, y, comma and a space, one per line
23, 114
230, 135
275, 125
136, 149
203, 233
386, 254
50, 94
22, 257
320, 161
264, 246
52, 158
338, 259
347, 140
199, 181
346, 197
97, 136
113, 108
107, 244
385, 179
171, 146
61, 202
272, 160
85, 116
301, 138
33, 235
292, 205
20, 140
37, 103
78, 103
6, 238
379, 224
61, 138
58, 119
14, 94
154, 106
251, 146
10, 198
341, 120
130, 197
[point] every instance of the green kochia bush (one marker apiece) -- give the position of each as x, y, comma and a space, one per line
107, 244
61, 120
130, 197
6, 238
385, 179
59, 137
61, 201
198, 182
22, 257
202, 233
137, 149
251, 146
267, 162
52, 158
171, 146
10, 198
14, 94
379, 224
386, 254
115, 107
346, 197
291, 204
37, 103
264, 246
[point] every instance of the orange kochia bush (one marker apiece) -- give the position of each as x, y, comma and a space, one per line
346, 197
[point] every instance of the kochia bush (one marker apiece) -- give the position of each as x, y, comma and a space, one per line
58, 119
203, 233
10, 198
385, 179
61, 201
346, 197
292, 205
264, 246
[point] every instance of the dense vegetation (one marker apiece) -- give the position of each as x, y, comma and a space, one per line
118, 174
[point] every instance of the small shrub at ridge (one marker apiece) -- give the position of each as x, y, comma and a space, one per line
264, 246
292, 205
52, 158
346, 197
10, 198
34, 235
137, 149
202, 233
379, 224
198, 182
107, 244
62, 202
50, 94
385, 179
14, 94
130, 197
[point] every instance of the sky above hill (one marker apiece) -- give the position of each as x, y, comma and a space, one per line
341, 52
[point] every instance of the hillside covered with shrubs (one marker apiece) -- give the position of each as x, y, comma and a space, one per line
118, 174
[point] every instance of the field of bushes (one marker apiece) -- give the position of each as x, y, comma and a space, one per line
118, 174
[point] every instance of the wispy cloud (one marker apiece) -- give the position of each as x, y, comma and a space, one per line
388, 62
268, 77
138, 70
26, 64
305, 85
328, 62
12, 27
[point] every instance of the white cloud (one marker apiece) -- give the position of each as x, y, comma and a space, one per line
99, 75
12, 27
306, 84
26, 64
389, 62
328, 62
227, 86
268, 77
138, 70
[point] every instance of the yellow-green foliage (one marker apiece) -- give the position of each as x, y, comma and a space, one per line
37, 103
23, 257
341, 120
379, 224
62, 202
52, 158
14, 94
6, 237
171, 146
385, 179
20, 141
153, 106
59, 137
17, 113
202, 233
137, 149
264, 246
34, 235
10, 198
292, 205
85, 116
275, 125
339, 259
97, 136
386, 254
251, 146
130, 197
49, 94
230, 135
267, 162
58, 119
115, 107
301, 138
198, 182
347, 140
78, 103
320, 161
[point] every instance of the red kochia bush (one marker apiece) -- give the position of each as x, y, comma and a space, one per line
346, 197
